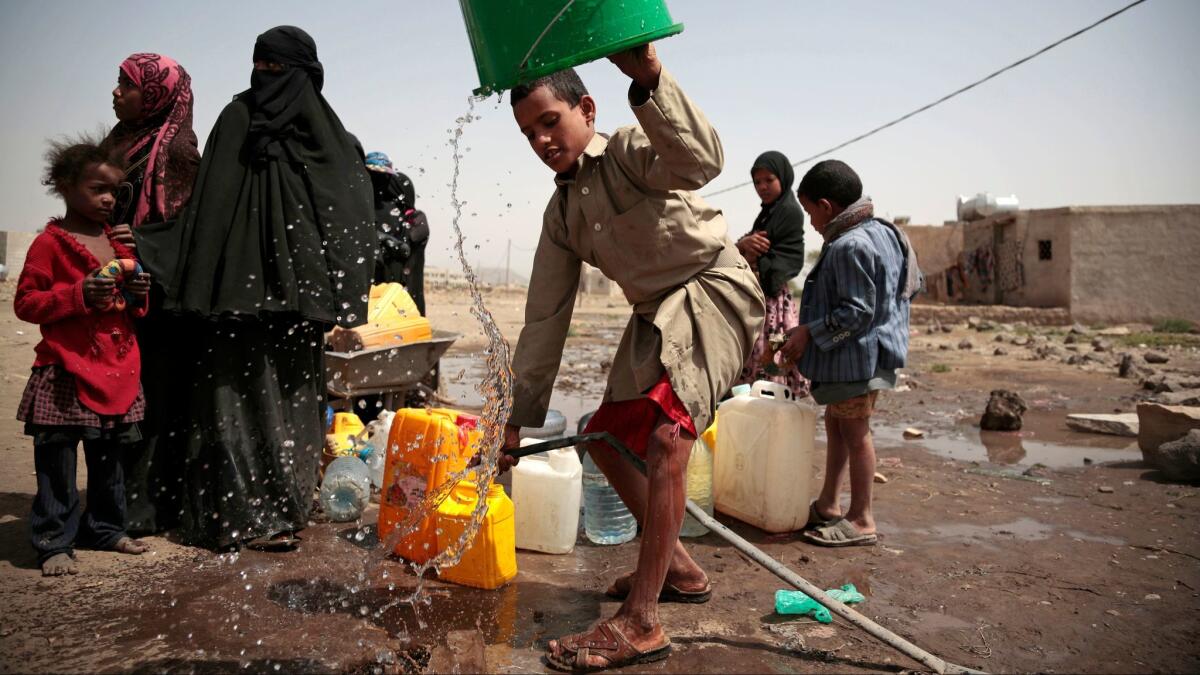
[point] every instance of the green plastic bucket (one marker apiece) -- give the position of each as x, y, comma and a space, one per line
518, 41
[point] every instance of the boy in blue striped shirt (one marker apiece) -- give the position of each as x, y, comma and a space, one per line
852, 337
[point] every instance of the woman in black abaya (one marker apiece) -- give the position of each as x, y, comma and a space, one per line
276, 246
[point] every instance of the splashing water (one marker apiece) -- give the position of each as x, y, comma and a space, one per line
496, 389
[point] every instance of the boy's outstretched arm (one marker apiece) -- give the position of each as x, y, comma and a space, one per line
675, 147
553, 286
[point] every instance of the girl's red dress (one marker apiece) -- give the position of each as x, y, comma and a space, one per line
99, 348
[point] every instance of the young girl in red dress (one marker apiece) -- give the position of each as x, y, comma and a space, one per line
85, 385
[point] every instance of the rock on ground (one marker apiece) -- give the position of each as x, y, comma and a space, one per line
1190, 397
1114, 425
1158, 424
1156, 357
1179, 460
1003, 412
1125, 369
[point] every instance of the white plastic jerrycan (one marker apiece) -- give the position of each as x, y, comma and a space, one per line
763, 469
546, 490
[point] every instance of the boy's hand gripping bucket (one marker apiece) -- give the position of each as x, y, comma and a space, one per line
518, 41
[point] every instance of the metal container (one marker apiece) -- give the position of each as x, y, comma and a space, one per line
384, 369
985, 205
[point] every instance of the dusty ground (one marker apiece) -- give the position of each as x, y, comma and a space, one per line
988, 559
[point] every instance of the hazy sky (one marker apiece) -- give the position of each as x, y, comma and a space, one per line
1108, 118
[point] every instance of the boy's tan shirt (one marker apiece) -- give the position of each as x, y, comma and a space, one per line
630, 212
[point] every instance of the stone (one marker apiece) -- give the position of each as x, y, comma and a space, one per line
1078, 329
974, 322
1113, 425
1004, 411
1021, 341
1158, 424
1072, 348
1047, 352
1070, 339
1159, 383
880, 478
1126, 368
1116, 331
913, 432
1188, 397
947, 329
1000, 351
965, 344
1156, 357
1099, 345
1000, 337
1104, 489
1152, 597
944, 347
1178, 460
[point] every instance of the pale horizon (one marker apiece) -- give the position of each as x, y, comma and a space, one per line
1105, 119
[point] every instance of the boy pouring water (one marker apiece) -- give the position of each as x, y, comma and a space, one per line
624, 203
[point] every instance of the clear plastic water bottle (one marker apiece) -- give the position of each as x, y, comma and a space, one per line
605, 518
699, 488
346, 489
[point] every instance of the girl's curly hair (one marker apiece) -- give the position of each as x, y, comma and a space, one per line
68, 157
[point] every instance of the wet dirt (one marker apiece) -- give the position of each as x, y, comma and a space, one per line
983, 569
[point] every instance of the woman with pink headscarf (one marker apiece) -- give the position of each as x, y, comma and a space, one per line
153, 105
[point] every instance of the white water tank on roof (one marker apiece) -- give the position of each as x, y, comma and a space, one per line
985, 204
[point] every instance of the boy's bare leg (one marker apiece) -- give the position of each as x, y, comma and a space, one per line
856, 436
837, 457
630, 485
637, 619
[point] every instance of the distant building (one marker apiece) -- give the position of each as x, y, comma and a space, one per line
1101, 263
593, 283
440, 277
13, 247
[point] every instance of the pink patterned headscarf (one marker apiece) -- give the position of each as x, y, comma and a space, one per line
166, 124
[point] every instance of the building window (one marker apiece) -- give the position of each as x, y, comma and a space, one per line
1045, 249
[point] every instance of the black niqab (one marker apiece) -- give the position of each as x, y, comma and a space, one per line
276, 97
281, 218
403, 234
783, 223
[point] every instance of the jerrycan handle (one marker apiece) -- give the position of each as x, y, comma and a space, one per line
774, 390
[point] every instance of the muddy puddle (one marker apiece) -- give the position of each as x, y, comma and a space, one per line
1044, 440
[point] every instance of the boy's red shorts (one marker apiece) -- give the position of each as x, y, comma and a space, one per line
633, 421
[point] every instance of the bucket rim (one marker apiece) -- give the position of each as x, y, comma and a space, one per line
586, 56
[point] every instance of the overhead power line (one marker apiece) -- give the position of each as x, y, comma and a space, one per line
947, 97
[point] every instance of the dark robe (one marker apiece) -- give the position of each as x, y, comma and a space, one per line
403, 233
275, 247
783, 223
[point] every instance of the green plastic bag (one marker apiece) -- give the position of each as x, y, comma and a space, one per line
796, 602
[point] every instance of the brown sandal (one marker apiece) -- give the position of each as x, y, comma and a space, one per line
608, 642
669, 592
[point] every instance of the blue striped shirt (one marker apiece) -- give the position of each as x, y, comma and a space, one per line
853, 307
